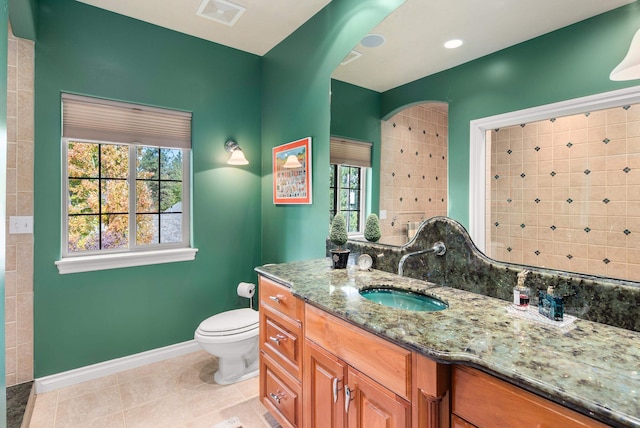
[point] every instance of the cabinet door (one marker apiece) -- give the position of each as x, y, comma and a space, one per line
373, 406
323, 390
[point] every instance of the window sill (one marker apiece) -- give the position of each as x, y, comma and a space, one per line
120, 260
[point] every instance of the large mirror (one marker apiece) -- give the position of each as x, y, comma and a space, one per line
410, 154
561, 186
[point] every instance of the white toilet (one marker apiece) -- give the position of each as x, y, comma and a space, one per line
232, 336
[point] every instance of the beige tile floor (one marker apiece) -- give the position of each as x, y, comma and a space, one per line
175, 393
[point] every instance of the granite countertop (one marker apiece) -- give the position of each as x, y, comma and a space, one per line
590, 367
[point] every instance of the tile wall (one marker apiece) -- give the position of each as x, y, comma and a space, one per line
413, 170
19, 248
565, 193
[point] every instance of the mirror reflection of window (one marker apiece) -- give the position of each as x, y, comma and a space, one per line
349, 162
564, 193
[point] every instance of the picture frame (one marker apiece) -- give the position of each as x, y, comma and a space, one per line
292, 172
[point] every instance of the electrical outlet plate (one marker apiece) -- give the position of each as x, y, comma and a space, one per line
20, 224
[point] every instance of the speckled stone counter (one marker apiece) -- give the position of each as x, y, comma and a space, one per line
590, 367
604, 300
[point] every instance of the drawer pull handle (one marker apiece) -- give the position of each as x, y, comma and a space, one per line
277, 339
277, 299
277, 396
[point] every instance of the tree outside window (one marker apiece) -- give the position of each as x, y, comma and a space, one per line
100, 212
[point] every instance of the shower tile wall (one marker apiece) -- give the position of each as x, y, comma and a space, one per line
565, 193
19, 248
413, 168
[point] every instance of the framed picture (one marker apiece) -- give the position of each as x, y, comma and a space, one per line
292, 172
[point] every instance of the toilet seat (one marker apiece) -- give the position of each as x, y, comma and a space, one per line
238, 323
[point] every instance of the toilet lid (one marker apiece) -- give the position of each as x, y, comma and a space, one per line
230, 322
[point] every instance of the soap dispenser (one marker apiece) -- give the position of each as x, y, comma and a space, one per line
550, 305
521, 293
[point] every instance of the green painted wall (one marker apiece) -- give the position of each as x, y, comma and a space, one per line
85, 318
82, 319
572, 62
355, 114
4, 34
296, 86
23, 16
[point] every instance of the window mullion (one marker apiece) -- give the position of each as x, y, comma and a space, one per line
133, 189
160, 196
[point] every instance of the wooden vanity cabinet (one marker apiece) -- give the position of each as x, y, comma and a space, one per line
319, 371
353, 378
281, 338
481, 400
336, 395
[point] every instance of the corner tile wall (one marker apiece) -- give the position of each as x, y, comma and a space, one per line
565, 193
19, 248
413, 169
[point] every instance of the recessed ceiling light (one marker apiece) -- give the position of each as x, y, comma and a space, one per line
452, 44
372, 40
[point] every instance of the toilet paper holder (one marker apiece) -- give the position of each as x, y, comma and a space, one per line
247, 289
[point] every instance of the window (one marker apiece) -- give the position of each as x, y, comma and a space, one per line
349, 161
347, 191
126, 185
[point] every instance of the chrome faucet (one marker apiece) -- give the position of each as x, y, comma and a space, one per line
438, 249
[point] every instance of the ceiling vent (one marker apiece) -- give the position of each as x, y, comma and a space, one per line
220, 11
351, 56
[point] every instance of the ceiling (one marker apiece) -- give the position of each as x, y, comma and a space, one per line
414, 34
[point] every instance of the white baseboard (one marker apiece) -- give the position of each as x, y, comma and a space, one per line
94, 371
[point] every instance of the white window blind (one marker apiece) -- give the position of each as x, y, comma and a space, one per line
349, 152
104, 120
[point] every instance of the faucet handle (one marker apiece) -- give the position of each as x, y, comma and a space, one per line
439, 248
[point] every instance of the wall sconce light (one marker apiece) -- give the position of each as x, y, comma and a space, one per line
292, 162
237, 156
629, 68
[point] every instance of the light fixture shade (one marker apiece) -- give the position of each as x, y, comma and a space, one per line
237, 155
292, 162
629, 68
237, 158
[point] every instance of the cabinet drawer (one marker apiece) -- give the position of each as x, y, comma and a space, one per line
488, 402
386, 363
281, 338
280, 393
457, 422
279, 297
